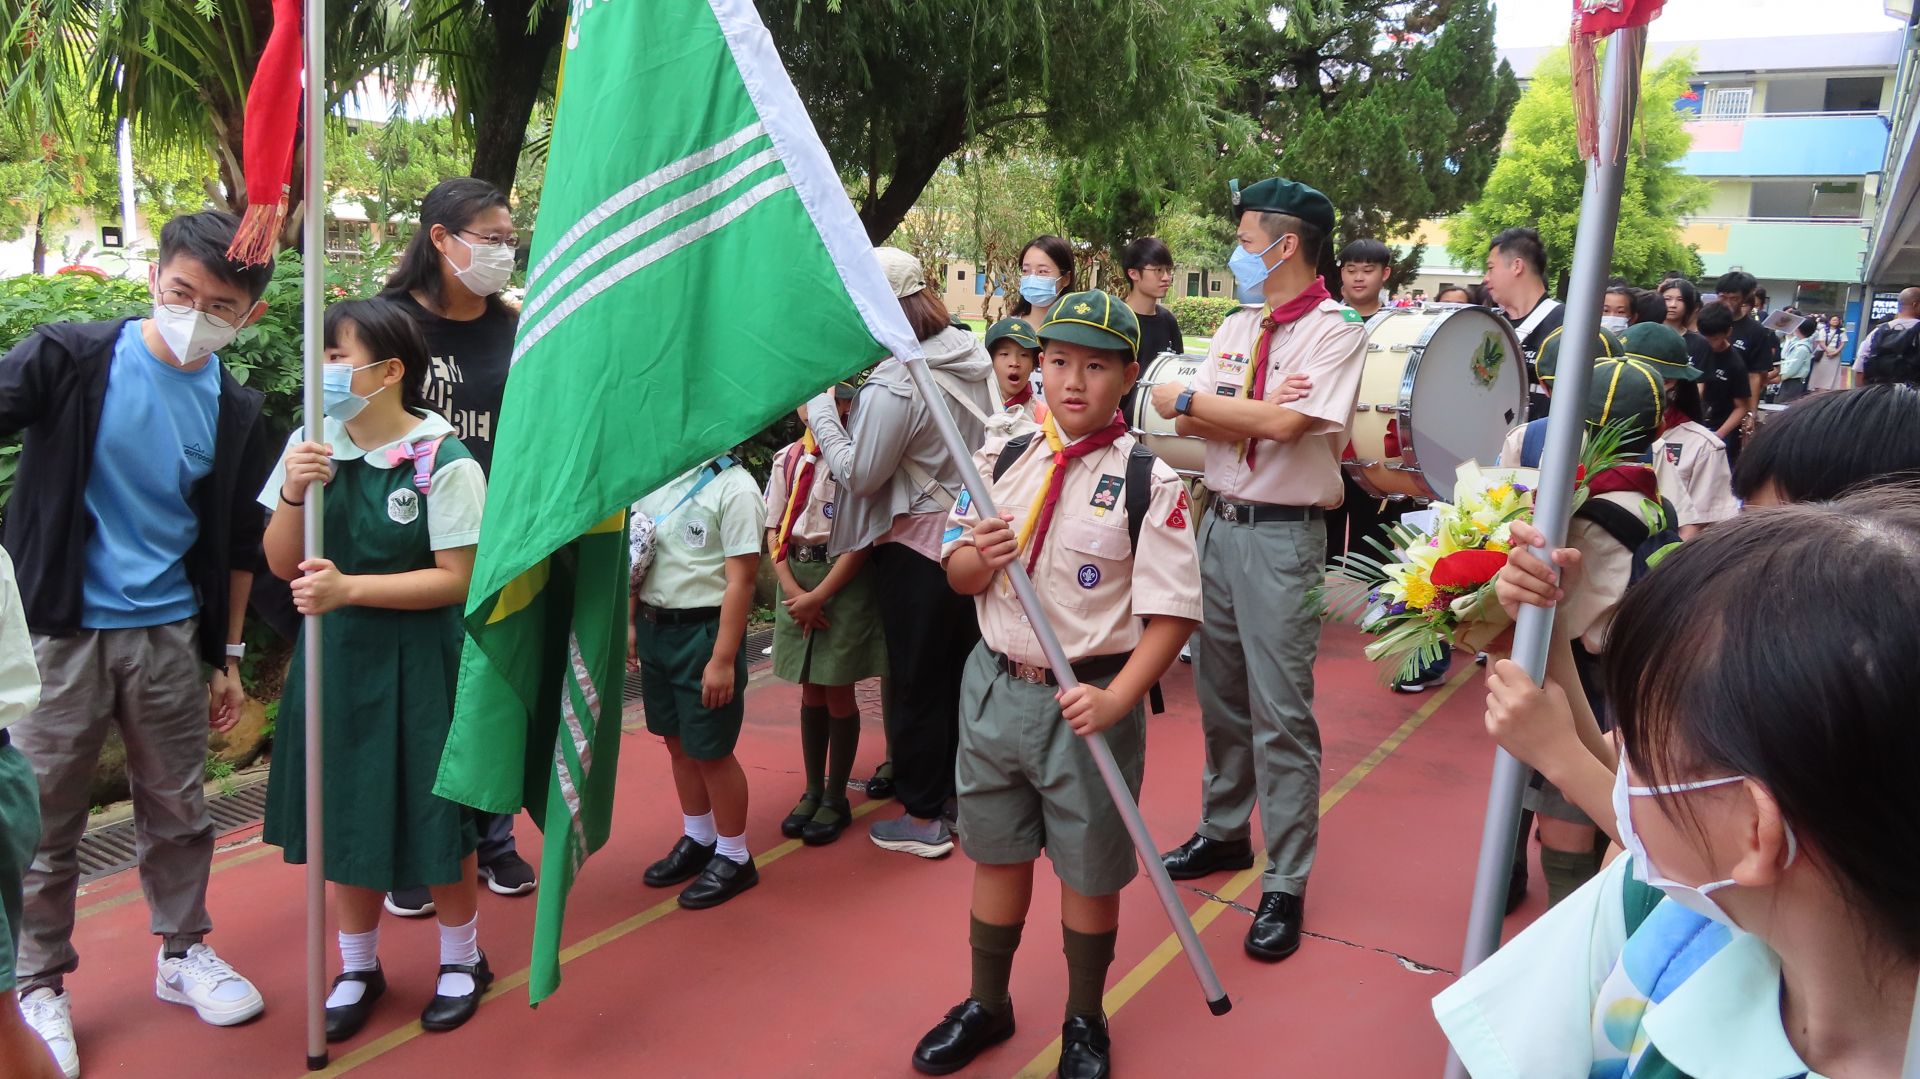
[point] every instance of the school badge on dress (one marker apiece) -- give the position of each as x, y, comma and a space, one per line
403, 506
694, 534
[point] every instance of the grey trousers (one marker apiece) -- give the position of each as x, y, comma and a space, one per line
1253, 667
147, 682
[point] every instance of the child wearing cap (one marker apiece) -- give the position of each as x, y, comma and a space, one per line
1689, 459
826, 631
1015, 350
1027, 782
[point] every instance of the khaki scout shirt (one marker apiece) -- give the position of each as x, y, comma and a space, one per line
1329, 344
1692, 461
1094, 589
813, 523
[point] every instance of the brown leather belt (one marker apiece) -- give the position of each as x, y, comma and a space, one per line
1091, 669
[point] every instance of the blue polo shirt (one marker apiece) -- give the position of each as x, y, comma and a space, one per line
156, 441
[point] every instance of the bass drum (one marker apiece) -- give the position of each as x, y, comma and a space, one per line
1442, 386
1185, 454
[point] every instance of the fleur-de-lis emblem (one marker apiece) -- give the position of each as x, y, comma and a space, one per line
1081, 309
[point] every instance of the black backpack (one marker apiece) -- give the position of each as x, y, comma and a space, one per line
1648, 544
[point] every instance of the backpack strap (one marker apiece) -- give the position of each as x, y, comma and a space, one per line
1015, 449
422, 454
1139, 495
1625, 526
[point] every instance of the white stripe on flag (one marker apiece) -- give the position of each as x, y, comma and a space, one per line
644, 225
652, 253
644, 186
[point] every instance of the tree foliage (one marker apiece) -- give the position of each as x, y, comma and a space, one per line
984, 207
1540, 178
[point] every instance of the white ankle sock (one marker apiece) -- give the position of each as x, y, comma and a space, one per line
356, 953
700, 829
734, 847
459, 944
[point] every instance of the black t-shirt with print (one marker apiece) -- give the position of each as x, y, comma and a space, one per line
1538, 404
1725, 379
468, 375
1757, 346
1159, 332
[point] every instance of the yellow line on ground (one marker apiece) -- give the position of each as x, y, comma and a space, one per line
501, 986
1169, 949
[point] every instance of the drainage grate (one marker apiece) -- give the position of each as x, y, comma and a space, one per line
111, 848
757, 644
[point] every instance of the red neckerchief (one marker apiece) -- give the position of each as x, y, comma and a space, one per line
1673, 419
1021, 398
1636, 479
1057, 477
800, 469
1284, 315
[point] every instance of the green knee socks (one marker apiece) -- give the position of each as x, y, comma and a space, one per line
813, 747
1567, 870
993, 948
843, 743
1089, 955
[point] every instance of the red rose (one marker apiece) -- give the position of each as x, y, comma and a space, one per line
1464, 571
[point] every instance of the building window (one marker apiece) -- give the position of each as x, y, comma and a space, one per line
1839, 198
979, 285
960, 275
1193, 284
1729, 103
1215, 285
1854, 94
110, 236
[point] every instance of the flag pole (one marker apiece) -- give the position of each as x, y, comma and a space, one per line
1057, 658
1553, 499
314, 271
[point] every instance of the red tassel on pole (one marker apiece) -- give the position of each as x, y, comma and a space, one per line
272, 119
1593, 20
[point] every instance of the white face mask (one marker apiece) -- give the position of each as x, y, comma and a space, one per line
1697, 898
191, 336
488, 267
1616, 323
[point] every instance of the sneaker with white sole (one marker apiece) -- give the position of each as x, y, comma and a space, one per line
910, 835
204, 982
509, 875
50, 1014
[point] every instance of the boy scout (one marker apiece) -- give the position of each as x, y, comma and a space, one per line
22, 1053
1102, 558
1015, 350
689, 630
1688, 457
1275, 469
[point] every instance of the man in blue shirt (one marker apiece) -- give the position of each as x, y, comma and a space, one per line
134, 530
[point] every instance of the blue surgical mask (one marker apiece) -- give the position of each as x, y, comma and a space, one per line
1039, 291
336, 384
1250, 271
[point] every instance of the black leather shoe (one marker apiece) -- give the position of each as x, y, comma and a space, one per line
721, 880
450, 1013
1084, 1048
968, 1030
881, 785
819, 833
1199, 857
801, 814
1276, 928
345, 1021
682, 863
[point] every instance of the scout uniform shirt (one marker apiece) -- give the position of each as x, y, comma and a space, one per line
813, 522
1095, 590
1328, 344
1690, 458
693, 542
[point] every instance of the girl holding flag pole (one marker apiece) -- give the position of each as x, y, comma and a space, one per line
826, 632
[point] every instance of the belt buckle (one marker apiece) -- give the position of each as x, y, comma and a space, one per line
1229, 512
1030, 674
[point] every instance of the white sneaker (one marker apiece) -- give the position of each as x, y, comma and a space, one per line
204, 982
50, 1015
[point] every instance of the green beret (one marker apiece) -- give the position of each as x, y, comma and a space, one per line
1094, 319
1019, 329
1627, 389
1277, 196
1548, 361
1660, 348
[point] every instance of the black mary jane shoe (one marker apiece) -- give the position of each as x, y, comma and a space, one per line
802, 813
682, 863
346, 1020
968, 1030
819, 833
1199, 857
881, 785
449, 1013
721, 880
1276, 927
1085, 1051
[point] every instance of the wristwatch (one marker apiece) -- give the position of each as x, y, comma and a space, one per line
236, 651
1183, 404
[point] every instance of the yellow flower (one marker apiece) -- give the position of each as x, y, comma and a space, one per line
1419, 592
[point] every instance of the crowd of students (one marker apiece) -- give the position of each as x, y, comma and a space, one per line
1673, 682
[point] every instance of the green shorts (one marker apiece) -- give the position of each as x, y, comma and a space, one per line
19, 835
1027, 783
672, 658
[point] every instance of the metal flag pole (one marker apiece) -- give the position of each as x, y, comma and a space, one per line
313, 407
1911, 1070
1553, 499
1216, 994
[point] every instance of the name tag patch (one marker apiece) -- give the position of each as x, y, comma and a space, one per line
1089, 575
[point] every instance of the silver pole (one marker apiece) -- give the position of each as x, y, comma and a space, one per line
1553, 499
1216, 994
124, 148
1912, 1068
313, 206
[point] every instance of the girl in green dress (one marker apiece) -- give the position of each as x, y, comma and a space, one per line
403, 504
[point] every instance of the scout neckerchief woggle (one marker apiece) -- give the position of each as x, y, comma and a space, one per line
1286, 314
799, 490
1041, 515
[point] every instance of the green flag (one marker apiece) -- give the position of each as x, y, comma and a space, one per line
697, 271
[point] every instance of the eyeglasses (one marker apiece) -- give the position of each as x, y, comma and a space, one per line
223, 315
511, 243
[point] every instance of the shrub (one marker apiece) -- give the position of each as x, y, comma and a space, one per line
1199, 316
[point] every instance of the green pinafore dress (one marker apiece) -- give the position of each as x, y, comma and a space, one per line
388, 683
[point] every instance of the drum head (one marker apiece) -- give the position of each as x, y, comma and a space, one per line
1467, 392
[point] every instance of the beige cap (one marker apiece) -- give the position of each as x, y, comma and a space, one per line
902, 270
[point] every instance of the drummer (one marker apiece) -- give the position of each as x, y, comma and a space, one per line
1366, 265
1276, 470
1516, 281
